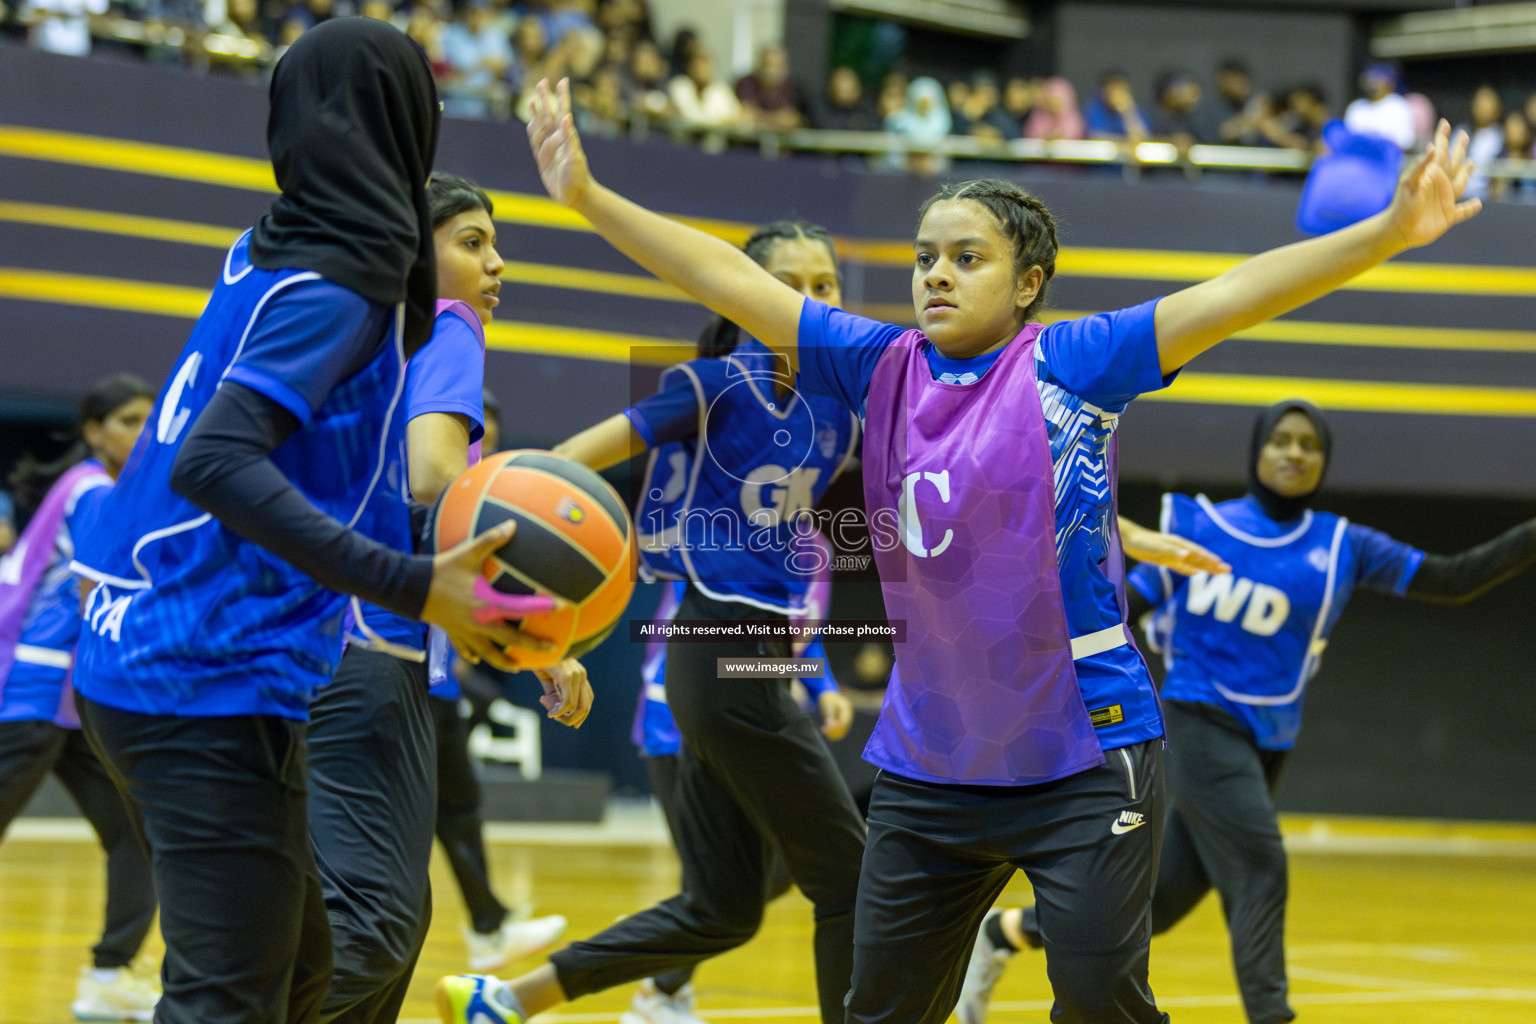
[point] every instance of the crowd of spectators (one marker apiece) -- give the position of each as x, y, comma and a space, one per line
488, 55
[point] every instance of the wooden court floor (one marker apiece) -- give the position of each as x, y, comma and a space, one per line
1389, 922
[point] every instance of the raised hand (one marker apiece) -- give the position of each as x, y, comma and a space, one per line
1426, 203
556, 146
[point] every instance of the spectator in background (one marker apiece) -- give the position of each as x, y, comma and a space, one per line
599, 103
295, 23
700, 99
1517, 146
646, 84
957, 93
478, 59
530, 53
61, 26
629, 20
1182, 116
684, 45
843, 107
1242, 111
984, 115
425, 26
1380, 111
1056, 116
924, 120
1485, 136
566, 16
1020, 97
893, 96
768, 95
1301, 123
1113, 113
7, 523
1424, 118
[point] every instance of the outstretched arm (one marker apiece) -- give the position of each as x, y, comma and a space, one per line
1424, 208
1457, 579
1182, 556
710, 270
604, 444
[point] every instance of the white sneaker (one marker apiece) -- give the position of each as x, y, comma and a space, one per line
987, 965
124, 996
513, 939
652, 1006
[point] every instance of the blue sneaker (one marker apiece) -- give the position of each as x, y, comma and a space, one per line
476, 999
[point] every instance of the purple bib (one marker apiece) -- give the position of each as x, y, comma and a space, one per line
984, 690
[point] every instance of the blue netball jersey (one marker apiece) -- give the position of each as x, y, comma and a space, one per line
447, 375
732, 464
34, 689
1250, 641
188, 619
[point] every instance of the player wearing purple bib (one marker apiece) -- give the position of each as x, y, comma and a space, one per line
1020, 730
266, 487
39, 730
738, 461
1242, 648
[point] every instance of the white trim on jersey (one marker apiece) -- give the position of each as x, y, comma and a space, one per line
1107, 639
192, 524
230, 255
770, 407
1248, 538
30, 654
1315, 648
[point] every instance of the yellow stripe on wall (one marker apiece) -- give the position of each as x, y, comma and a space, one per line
613, 347
1350, 395
539, 211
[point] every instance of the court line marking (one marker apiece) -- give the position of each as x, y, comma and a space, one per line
539, 211
1443, 994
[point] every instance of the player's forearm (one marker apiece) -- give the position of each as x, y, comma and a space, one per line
224, 468
605, 444
1457, 579
1267, 285
708, 269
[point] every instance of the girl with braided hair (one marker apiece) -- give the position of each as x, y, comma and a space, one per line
752, 795
1020, 729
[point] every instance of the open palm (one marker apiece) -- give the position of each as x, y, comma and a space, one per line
556, 146
1426, 205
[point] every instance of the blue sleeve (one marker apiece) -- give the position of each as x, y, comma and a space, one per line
448, 375
1107, 359
672, 414
838, 352
1150, 583
1383, 564
823, 683
81, 518
310, 337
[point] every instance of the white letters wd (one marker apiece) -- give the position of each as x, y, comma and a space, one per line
1268, 607
172, 419
906, 512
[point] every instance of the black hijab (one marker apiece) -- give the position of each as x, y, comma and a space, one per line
1275, 506
352, 133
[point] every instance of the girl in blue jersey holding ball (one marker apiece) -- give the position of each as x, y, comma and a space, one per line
1241, 649
266, 486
